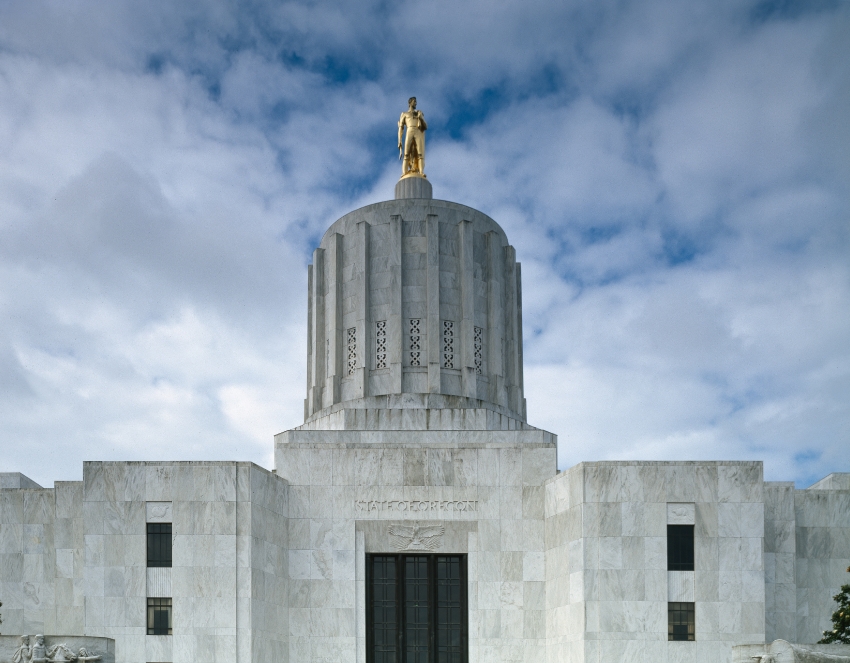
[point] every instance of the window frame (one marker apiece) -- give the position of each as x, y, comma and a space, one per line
153, 603
680, 547
687, 608
400, 589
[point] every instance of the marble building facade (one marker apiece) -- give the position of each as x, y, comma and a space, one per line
416, 445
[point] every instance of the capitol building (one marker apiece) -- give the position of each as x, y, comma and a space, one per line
417, 516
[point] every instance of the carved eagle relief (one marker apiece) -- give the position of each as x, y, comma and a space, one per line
416, 537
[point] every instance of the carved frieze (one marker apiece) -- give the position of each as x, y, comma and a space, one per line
416, 536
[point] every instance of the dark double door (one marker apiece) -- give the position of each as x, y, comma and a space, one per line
416, 609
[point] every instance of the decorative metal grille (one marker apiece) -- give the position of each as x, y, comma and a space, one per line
381, 344
478, 348
383, 611
416, 608
415, 342
448, 344
352, 349
451, 609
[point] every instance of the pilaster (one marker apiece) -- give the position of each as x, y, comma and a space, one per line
495, 320
512, 338
333, 308
434, 335
395, 345
308, 409
316, 332
364, 324
467, 322
520, 381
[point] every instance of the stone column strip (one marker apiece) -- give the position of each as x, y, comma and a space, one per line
316, 332
495, 320
434, 333
333, 307
395, 333
364, 326
467, 307
512, 329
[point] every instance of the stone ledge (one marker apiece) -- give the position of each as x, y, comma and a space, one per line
415, 411
408, 438
466, 419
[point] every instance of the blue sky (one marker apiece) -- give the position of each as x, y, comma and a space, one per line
673, 175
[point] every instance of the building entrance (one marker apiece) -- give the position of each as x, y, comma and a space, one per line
416, 609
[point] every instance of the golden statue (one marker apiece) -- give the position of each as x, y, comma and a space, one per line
413, 153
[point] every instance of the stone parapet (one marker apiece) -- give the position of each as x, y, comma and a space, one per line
460, 439
16, 480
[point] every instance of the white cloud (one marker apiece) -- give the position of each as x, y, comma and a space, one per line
673, 177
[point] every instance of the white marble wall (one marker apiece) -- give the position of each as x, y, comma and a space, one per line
608, 526
41, 558
228, 589
262, 549
780, 545
570, 566
822, 526
565, 601
346, 484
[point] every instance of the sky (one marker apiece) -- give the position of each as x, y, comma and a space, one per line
675, 177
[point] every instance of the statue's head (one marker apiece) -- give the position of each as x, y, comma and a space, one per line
412, 102
25, 639
39, 639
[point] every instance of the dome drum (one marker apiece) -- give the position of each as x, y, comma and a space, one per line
415, 296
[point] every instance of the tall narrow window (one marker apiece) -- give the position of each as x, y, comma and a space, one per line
384, 609
448, 344
381, 344
451, 618
159, 544
680, 547
416, 609
415, 336
680, 621
159, 616
352, 349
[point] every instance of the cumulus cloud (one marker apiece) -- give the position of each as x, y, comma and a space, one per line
673, 175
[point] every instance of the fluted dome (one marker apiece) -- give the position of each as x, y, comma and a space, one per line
415, 321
